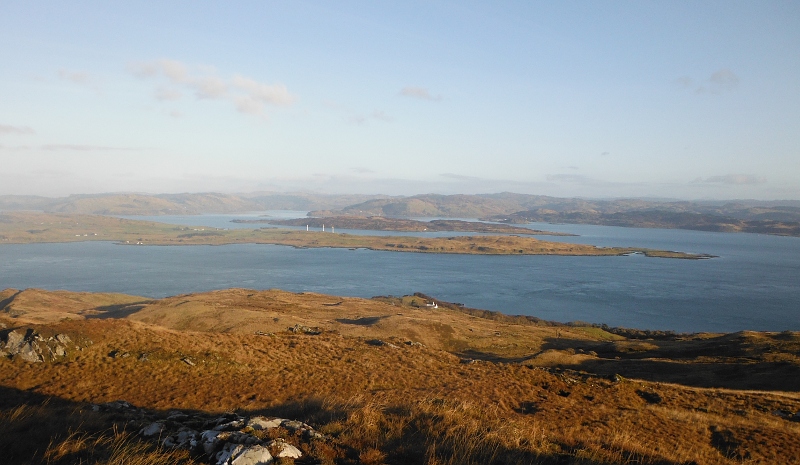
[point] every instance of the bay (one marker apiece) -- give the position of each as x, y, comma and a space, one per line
753, 284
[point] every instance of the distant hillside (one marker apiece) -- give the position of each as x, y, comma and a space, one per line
178, 204
431, 205
782, 218
777, 217
659, 219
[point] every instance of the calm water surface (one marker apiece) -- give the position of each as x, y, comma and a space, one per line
754, 284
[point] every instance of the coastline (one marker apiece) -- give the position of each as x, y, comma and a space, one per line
21, 228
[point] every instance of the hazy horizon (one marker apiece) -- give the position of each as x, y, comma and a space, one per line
661, 100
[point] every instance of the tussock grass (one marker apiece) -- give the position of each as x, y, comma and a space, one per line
55, 433
512, 394
113, 447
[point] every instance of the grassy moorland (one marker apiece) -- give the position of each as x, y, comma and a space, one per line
20, 228
392, 380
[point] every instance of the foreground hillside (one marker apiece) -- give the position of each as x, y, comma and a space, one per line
383, 380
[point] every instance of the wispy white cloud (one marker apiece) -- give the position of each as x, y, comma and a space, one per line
144, 69
78, 77
84, 148
15, 148
684, 82
419, 93
274, 94
167, 94
580, 180
720, 81
248, 95
357, 119
210, 87
175, 70
22, 130
376, 115
577, 178
381, 116
248, 105
724, 80
734, 179
460, 177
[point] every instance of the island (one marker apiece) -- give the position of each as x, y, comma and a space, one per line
381, 223
32, 227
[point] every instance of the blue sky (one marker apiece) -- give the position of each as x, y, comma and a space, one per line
596, 99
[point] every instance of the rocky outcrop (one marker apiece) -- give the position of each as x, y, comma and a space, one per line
30, 346
227, 439
300, 329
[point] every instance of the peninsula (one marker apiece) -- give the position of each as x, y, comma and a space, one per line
28, 227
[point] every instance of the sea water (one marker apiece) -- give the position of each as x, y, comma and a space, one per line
753, 284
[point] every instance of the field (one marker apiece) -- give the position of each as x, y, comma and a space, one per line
389, 380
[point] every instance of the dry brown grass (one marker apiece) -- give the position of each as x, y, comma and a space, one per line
530, 402
111, 448
54, 432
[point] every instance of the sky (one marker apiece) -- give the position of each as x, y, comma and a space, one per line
597, 99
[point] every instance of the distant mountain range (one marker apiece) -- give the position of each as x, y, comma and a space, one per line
768, 217
778, 217
179, 204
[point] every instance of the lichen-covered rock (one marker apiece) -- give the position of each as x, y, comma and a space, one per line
209, 441
22, 346
13, 341
294, 425
28, 353
314, 331
32, 347
227, 439
283, 449
230, 426
262, 423
239, 454
152, 429
185, 438
237, 437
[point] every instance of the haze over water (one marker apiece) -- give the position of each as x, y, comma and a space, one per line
752, 285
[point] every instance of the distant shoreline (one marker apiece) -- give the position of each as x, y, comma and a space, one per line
22, 228
380, 223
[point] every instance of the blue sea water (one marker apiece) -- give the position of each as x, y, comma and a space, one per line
753, 284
